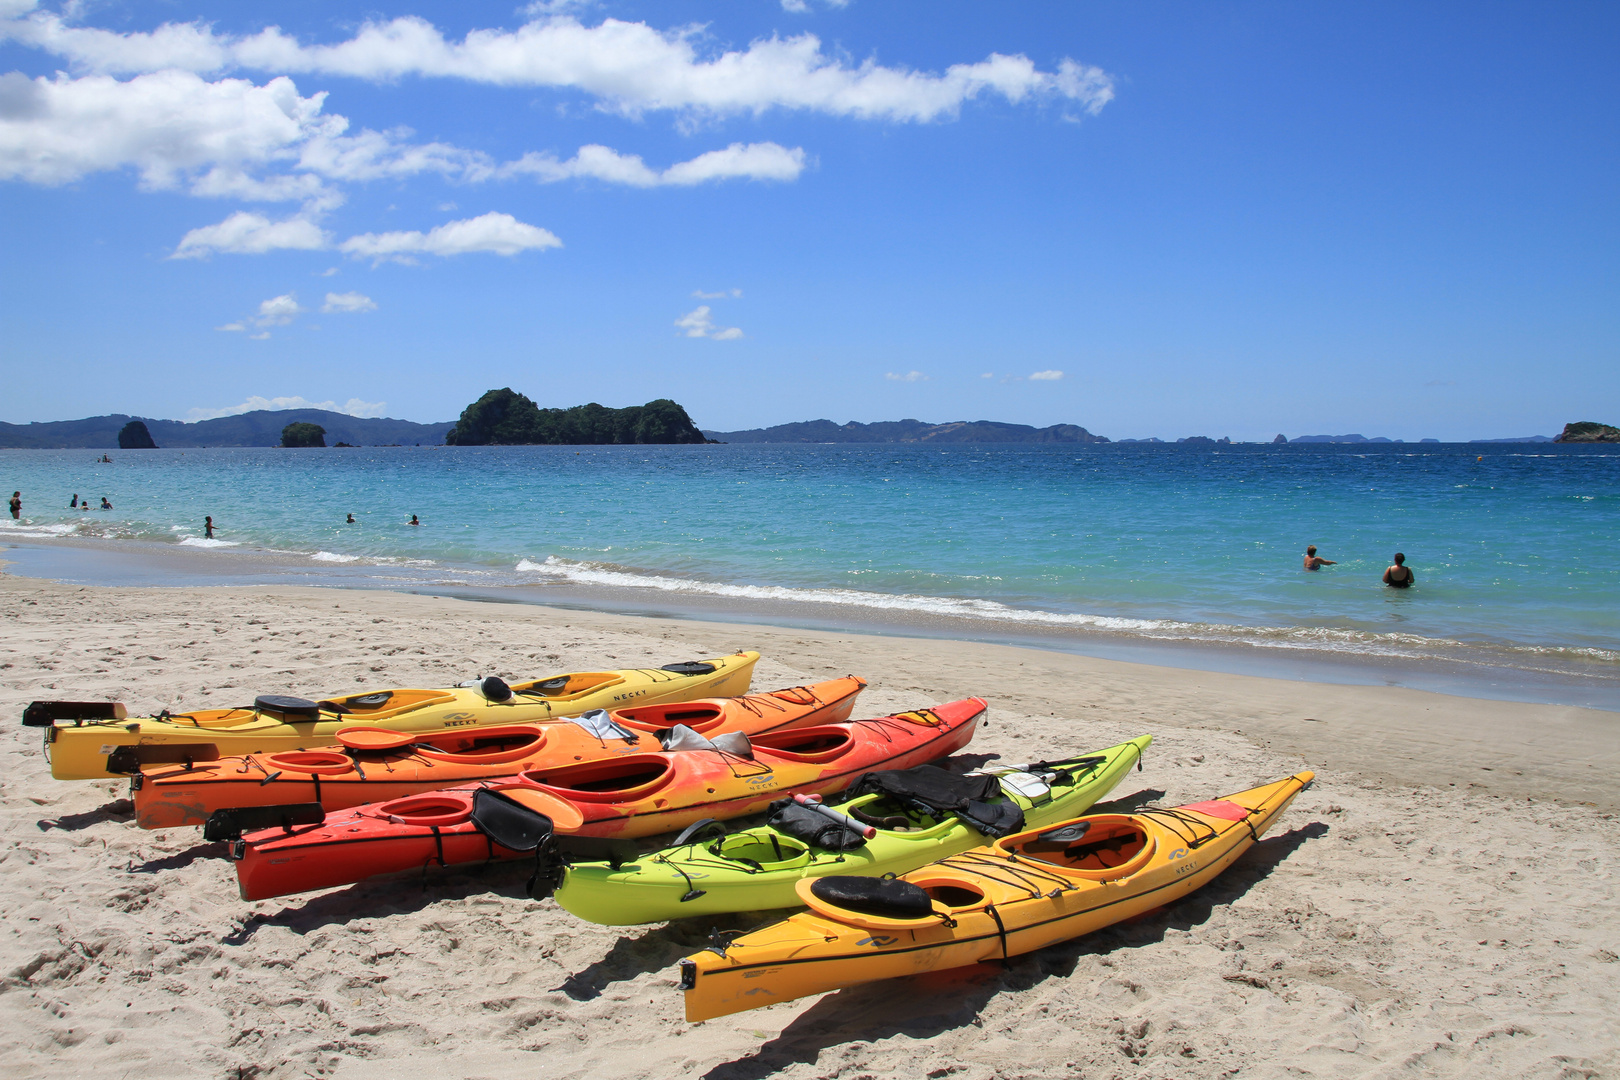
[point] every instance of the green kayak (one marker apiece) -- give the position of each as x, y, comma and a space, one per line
757, 869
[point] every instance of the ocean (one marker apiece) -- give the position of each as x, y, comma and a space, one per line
1166, 553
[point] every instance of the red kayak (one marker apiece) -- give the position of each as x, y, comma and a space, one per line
631, 796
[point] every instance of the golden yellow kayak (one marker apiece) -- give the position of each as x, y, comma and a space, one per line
81, 736
1022, 893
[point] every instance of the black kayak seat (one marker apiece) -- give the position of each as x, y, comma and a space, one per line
508, 822
690, 667
889, 898
494, 689
1060, 838
287, 705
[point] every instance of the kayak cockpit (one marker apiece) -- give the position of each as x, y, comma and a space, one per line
811, 744
564, 687
1101, 848
619, 780
697, 715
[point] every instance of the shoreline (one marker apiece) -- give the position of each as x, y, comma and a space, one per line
1440, 902
1471, 670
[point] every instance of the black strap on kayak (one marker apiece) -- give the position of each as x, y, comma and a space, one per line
1001, 929
315, 776
1175, 820
1022, 875
438, 842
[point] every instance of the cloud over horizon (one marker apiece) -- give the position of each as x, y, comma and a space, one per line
352, 407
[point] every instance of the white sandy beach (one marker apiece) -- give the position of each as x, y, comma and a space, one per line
1443, 902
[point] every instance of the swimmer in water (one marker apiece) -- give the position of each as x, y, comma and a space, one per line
1400, 575
350, 521
413, 520
1314, 563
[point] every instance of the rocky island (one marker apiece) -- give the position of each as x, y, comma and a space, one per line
1589, 431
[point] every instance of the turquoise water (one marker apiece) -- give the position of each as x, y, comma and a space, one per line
1513, 546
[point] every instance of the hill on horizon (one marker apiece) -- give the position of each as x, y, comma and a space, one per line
261, 427
898, 431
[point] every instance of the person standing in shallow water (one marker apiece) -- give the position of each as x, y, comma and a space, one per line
16, 505
1400, 575
1314, 563
208, 527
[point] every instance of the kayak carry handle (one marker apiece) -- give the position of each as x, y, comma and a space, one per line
45, 713
231, 823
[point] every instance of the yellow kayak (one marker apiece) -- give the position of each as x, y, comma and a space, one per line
1022, 893
81, 736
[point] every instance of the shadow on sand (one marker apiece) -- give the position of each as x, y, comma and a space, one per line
397, 894
656, 949
179, 859
117, 810
926, 1005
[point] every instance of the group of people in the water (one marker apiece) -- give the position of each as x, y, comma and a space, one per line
1398, 576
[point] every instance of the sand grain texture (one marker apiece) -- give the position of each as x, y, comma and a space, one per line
1441, 904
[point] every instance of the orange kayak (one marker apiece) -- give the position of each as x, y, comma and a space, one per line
630, 796
371, 764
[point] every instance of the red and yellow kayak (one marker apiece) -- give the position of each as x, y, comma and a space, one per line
1020, 894
630, 796
373, 764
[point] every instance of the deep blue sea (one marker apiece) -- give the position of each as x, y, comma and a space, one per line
1092, 546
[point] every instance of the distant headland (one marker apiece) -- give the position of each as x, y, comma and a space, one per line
263, 427
908, 431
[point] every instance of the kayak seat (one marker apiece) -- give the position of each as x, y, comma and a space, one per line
889, 898
1060, 838
508, 823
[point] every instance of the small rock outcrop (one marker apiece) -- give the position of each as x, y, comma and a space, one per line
1281, 438
134, 436
1589, 431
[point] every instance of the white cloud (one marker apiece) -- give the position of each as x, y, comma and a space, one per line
330, 271
699, 323
347, 302
246, 233
352, 407
910, 376
629, 67
498, 234
988, 375
278, 311
232, 139
753, 161
1046, 376
797, 7
722, 295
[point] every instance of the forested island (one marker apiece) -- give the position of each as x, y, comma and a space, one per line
505, 417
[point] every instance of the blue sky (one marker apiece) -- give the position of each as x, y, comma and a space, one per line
1148, 219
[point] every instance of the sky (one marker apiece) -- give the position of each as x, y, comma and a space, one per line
1148, 219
